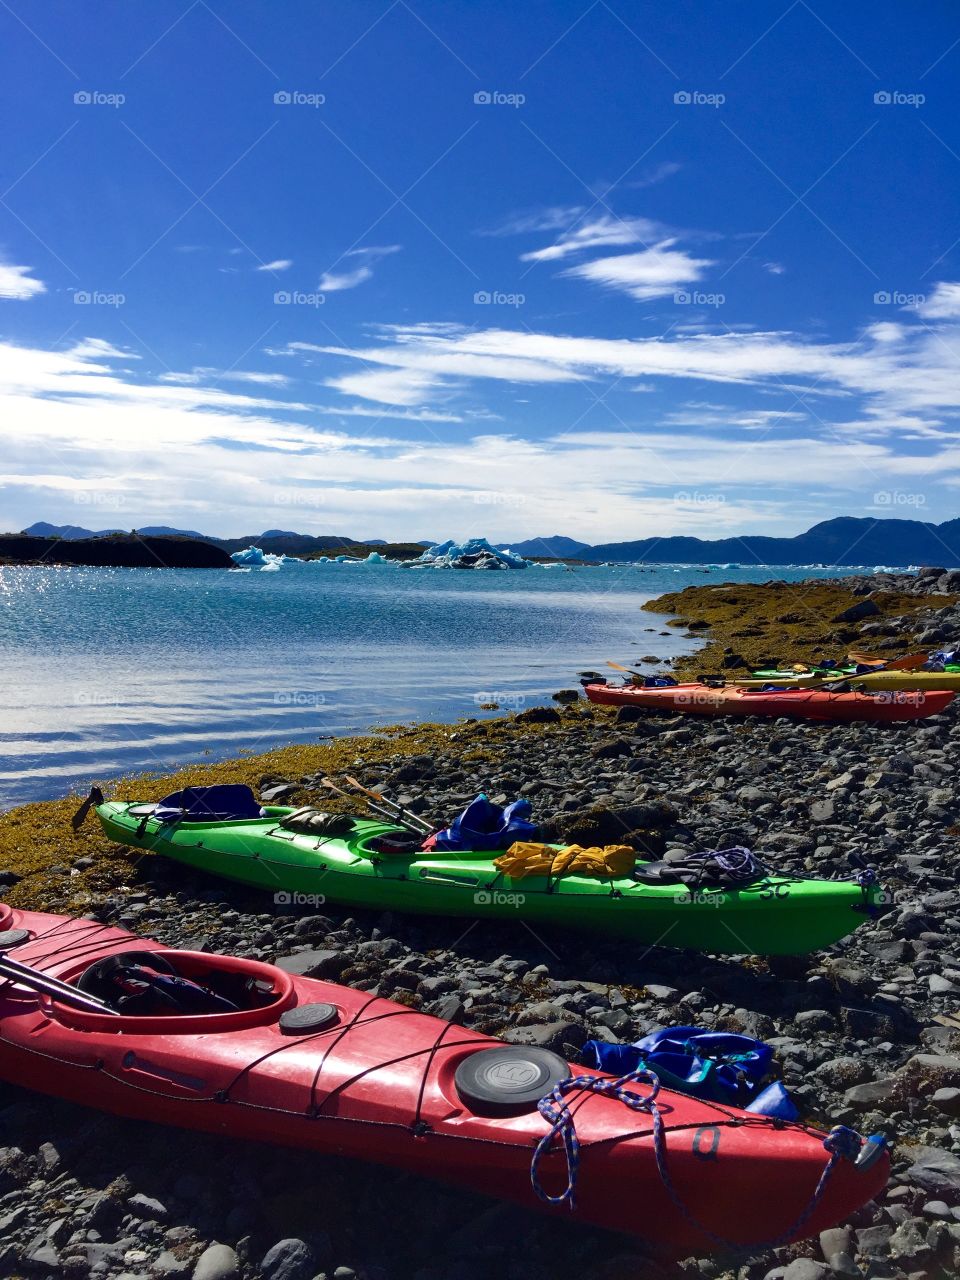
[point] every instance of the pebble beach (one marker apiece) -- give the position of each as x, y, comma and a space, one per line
867, 1034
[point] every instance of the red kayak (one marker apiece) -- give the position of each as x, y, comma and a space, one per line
801, 704
242, 1048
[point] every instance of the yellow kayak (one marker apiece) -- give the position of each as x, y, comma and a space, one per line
875, 680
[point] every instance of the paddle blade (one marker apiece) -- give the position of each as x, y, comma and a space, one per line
909, 663
94, 798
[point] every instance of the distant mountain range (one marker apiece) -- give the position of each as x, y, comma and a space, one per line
846, 540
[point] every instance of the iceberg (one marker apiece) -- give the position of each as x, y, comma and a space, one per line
251, 556
476, 553
257, 558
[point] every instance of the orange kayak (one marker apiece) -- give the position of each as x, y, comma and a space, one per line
801, 704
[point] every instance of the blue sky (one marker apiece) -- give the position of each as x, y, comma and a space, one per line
404, 270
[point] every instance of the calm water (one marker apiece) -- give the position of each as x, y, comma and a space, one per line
113, 671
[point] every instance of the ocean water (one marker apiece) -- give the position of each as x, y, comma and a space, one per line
111, 671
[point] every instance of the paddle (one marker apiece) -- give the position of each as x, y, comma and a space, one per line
617, 667
910, 663
42, 983
374, 808
93, 799
399, 810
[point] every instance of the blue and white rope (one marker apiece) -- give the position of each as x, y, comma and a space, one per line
840, 1143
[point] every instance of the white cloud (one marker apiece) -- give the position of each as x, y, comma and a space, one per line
249, 451
652, 273
226, 375
100, 349
775, 268
334, 281
278, 264
943, 303
16, 282
605, 231
919, 375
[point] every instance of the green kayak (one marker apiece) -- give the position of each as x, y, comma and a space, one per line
772, 916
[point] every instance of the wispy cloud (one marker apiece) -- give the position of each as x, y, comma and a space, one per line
659, 173
943, 303
334, 281
221, 451
16, 282
605, 231
198, 375
278, 264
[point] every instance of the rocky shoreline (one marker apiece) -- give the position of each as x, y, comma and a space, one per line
867, 1033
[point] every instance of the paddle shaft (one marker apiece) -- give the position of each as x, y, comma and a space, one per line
375, 808
398, 809
24, 976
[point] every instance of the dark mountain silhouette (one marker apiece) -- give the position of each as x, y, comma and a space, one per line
847, 540
557, 546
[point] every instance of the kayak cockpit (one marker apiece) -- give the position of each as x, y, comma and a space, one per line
174, 992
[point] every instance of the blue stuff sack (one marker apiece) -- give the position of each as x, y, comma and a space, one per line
715, 1066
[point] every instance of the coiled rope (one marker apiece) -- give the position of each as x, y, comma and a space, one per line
840, 1143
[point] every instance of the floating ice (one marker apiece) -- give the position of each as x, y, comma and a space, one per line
257, 558
251, 556
476, 553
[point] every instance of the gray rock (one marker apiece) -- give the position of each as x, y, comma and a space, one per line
872, 1094
656, 991
937, 1172
835, 1240
146, 1207
217, 1262
947, 1101
909, 1241
314, 964
874, 1241
857, 612
551, 1035
289, 1259
805, 1269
